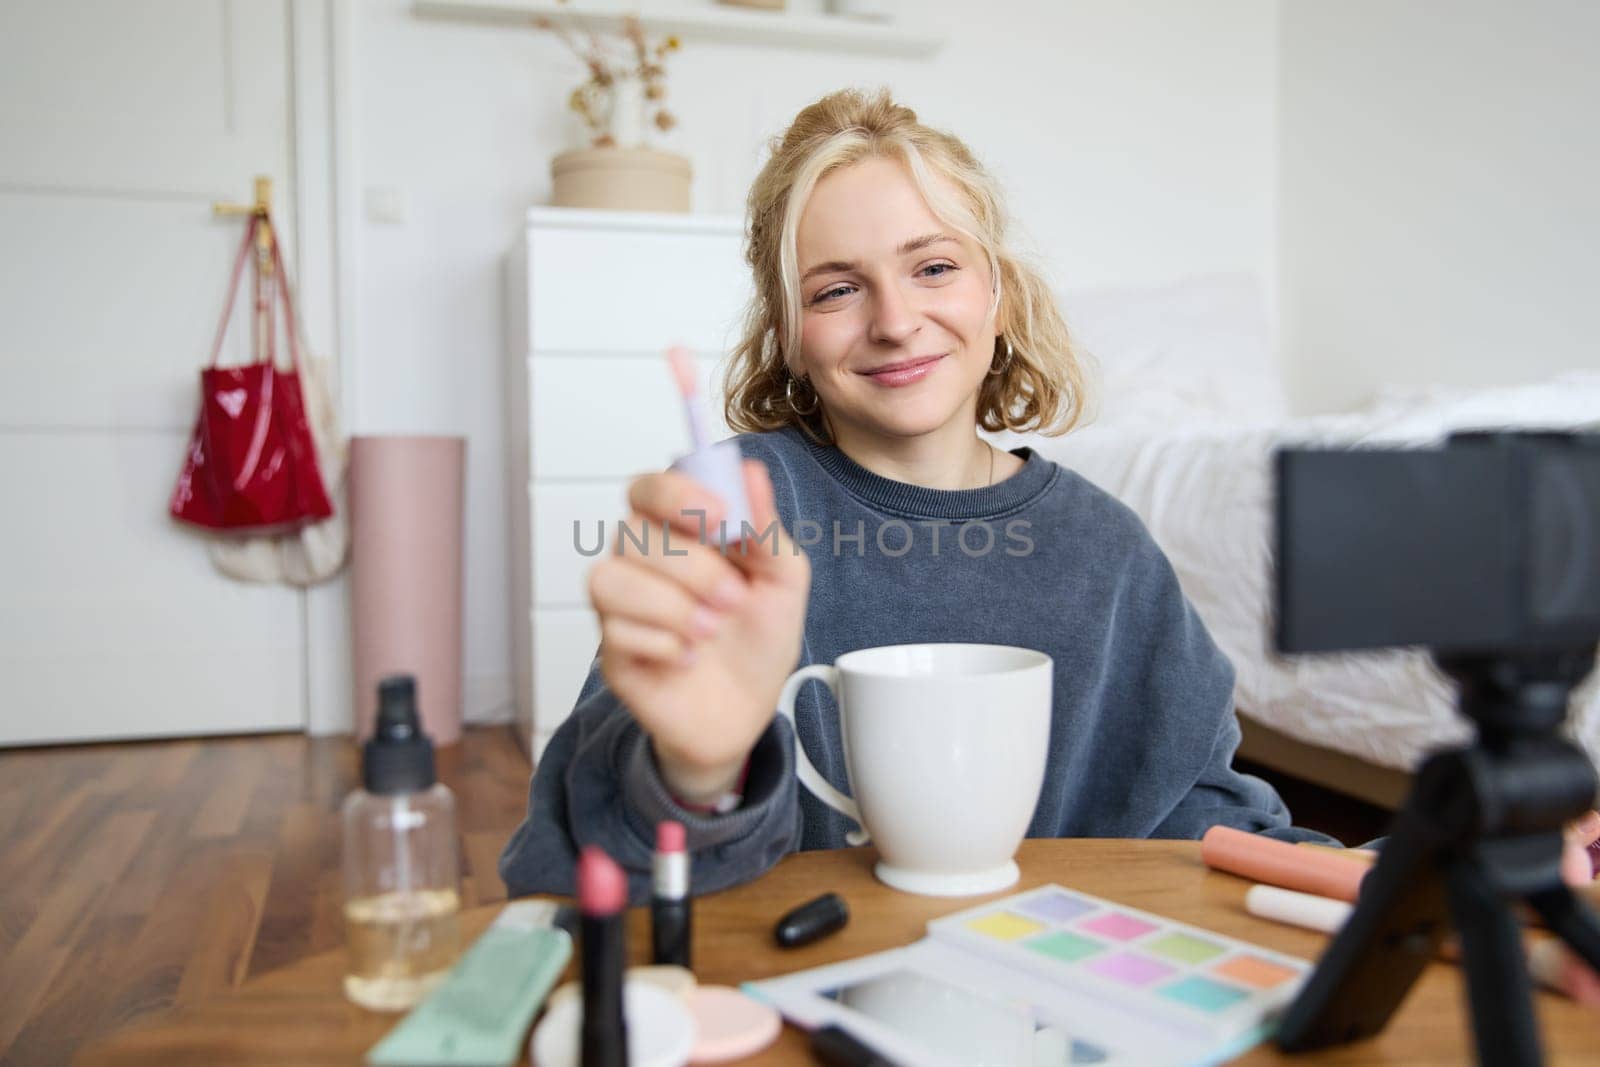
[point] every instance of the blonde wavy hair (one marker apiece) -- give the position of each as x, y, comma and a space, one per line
1043, 384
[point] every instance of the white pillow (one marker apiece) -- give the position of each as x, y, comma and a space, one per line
1188, 351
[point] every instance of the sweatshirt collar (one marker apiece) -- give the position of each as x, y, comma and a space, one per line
915, 501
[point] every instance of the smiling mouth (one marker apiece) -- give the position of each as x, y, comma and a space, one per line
903, 365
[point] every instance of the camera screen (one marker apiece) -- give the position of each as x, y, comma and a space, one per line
1489, 544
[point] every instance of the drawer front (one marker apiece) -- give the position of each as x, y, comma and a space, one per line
612, 417
565, 642
635, 291
560, 565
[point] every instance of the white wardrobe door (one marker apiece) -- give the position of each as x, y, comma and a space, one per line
119, 125
114, 625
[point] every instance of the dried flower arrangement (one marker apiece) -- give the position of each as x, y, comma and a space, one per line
596, 99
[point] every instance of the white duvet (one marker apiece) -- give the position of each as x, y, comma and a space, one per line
1204, 490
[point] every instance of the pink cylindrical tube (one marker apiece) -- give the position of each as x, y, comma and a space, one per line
406, 496
1279, 863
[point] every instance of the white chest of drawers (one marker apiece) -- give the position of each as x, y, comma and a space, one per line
594, 298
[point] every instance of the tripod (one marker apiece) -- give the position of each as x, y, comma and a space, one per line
1482, 827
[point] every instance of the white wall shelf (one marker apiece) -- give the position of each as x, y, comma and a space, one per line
703, 23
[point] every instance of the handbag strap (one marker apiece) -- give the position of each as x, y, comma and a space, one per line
282, 288
233, 286
263, 312
279, 286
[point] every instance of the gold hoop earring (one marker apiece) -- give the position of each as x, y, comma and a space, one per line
1004, 363
788, 394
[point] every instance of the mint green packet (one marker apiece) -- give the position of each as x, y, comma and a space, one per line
479, 1015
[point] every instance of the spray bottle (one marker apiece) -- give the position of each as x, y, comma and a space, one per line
401, 878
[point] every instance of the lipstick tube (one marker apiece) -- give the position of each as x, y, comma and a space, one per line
669, 901
602, 897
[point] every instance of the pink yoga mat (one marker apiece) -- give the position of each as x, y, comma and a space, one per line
405, 560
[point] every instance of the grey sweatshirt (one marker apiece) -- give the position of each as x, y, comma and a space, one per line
1143, 735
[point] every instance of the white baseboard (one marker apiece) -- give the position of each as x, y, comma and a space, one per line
486, 700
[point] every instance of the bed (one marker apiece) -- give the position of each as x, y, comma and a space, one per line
1192, 407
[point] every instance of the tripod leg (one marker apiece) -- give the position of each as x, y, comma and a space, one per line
1564, 913
1392, 934
1452, 857
1497, 976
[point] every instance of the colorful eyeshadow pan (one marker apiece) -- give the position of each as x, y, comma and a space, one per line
1065, 946
1116, 926
1203, 993
1183, 948
1131, 968
1005, 925
1253, 971
1055, 907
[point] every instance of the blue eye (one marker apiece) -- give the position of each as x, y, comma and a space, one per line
840, 290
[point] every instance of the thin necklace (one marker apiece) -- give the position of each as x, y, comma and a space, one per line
991, 466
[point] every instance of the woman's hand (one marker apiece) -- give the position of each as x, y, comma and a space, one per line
1577, 864
698, 643
1552, 961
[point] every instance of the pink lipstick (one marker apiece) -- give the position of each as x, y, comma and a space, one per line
669, 901
602, 896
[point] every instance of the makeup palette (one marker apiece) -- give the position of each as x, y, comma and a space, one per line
1049, 978
1161, 969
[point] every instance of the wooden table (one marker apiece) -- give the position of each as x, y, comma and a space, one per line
298, 1015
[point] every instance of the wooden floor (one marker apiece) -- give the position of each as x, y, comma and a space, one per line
138, 876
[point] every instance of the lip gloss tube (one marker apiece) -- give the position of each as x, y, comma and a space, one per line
719, 466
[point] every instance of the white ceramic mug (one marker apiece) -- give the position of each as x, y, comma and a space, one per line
945, 747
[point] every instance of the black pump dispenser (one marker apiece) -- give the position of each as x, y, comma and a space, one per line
399, 756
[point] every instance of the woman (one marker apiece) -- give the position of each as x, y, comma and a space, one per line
890, 322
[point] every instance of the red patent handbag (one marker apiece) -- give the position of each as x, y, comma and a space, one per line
251, 463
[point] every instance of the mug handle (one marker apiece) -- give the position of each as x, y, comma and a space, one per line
809, 777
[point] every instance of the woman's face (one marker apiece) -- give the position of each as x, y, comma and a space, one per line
894, 326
